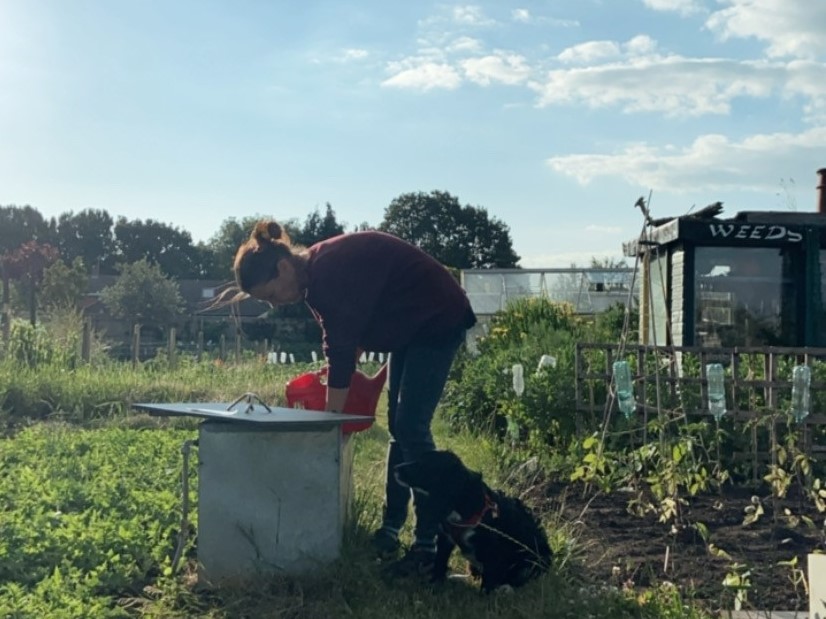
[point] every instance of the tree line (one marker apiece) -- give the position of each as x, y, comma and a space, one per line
460, 237
53, 256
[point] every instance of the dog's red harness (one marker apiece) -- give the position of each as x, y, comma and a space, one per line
457, 528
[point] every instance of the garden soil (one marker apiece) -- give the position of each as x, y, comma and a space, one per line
620, 548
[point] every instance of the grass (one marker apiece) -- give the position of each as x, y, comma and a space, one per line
354, 587
88, 515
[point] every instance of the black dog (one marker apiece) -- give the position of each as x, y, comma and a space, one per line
500, 538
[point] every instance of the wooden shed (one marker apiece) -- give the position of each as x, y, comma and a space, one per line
755, 279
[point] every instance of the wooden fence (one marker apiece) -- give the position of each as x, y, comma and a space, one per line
671, 382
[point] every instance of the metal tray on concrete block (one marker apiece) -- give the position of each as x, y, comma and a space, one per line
243, 412
274, 487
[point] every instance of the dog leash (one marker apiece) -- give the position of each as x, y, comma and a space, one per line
475, 519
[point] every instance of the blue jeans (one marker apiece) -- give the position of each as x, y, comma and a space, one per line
417, 379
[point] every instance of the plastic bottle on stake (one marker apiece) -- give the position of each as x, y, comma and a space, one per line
545, 361
518, 373
801, 397
715, 376
625, 388
518, 379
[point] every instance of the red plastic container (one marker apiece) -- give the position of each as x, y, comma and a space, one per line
309, 391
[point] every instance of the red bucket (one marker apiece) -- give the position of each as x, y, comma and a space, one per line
309, 391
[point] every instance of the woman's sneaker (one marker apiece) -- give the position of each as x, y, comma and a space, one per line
385, 544
415, 562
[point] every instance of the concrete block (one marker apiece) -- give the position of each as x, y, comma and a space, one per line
270, 499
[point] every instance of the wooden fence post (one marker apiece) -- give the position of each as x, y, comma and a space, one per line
136, 344
5, 319
86, 341
171, 353
200, 352
223, 350
237, 344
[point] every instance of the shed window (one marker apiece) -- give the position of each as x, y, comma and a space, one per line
744, 297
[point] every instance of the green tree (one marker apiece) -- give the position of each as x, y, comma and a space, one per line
87, 235
18, 225
608, 263
168, 247
143, 295
462, 237
318, 228
490, 241
219, 251
222, 246
26, 265
63, 286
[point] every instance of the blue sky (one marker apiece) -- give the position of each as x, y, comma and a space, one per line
555, 116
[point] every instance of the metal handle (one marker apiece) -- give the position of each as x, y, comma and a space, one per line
250, 399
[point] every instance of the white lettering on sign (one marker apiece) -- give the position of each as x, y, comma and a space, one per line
755, 233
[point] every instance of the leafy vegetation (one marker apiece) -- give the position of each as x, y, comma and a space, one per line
91, 503
142, 294
91, 491
482, 395
86, 516
91, 521
670, 450
460, 237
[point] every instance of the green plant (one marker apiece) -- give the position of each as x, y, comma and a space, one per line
481, 395
85, 515
31, 346
797, 577
738, 581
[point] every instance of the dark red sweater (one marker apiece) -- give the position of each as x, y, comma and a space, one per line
374, 291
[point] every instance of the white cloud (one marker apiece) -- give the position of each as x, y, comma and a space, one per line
672, 85
632, 76
423, 76
499, 67
471, 15
640, 45
807, 80
597, 229
591, 51
465, 44
710, 162
789, 27
521, 15
683, 7
353, 54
